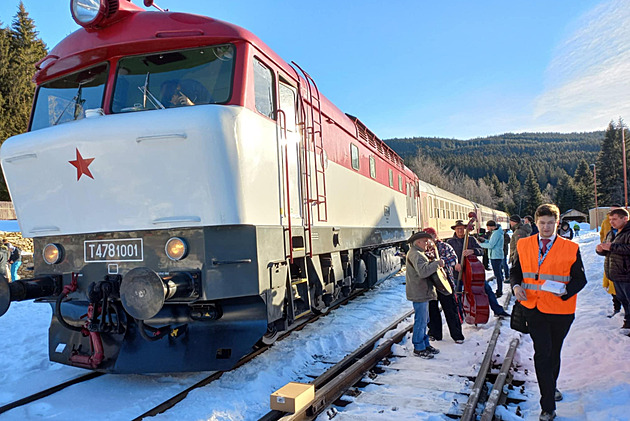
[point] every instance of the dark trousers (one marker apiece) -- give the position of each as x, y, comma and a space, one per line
497, 268
506, 268
548, 332
616, 304
449, 306
622, 290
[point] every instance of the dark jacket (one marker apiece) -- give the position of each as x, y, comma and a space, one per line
458, 245
519, 231
617, 263
16, 255
419, 287
565, 233
534, 229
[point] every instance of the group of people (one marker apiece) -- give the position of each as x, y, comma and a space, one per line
10, 260
546, 274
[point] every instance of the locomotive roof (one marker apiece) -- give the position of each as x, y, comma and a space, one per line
141, 31
136, 31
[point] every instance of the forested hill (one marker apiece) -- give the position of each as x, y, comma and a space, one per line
548, 154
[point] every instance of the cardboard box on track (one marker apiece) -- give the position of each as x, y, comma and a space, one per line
293, 397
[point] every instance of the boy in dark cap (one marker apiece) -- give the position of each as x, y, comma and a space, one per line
420, 290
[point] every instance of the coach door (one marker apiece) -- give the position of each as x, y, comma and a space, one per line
290, 155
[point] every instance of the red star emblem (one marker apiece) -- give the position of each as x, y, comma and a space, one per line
82, 165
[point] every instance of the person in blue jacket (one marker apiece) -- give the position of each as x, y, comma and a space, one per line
495, 253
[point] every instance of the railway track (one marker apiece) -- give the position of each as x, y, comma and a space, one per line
169, 403
360, 376
49, 391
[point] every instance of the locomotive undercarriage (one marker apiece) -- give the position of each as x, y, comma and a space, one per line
216, 303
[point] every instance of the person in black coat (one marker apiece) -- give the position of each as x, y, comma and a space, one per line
457, 242
616, 248
565, 231
529, 220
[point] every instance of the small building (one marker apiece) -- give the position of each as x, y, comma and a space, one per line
574, 215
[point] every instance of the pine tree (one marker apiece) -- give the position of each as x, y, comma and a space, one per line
514, 187
584, 189
610, 168
532, 197
4, 78
565, 193
26, 49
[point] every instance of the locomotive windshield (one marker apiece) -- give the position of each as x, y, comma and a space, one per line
174, 79
66, 99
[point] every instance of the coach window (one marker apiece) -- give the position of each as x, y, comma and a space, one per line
391, 178
372, 167
436, 207
354, 156
263, 89
400, 182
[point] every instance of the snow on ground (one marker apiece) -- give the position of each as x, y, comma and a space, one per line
594, 375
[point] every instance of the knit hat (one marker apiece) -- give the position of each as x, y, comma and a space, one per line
431, 231
418, 236
515, 218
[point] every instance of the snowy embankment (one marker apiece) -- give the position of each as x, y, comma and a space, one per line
594, 376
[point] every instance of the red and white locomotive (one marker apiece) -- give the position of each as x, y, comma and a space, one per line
189, 193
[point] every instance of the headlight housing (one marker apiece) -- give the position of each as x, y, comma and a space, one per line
53, 253
89, 13
176, 248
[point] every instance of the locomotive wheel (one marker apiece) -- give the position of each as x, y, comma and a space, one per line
360, 272
270, 336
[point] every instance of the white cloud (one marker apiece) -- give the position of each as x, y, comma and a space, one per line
588, 80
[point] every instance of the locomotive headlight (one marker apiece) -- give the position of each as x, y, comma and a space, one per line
89, 13
176, 248
53, 253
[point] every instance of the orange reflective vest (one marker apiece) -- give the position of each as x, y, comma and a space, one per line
555, 267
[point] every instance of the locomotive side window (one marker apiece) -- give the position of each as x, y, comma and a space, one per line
174, 79
287, 104
372, 167
354, 156
391, 178
263, 87
66, 99
400, 182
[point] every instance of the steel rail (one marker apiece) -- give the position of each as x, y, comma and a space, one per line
473, 399
333, 383
168, 404
49, 391
497, 388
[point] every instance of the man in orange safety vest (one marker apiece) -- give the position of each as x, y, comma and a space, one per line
546, 276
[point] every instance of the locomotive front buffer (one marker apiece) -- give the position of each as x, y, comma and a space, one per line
99, 314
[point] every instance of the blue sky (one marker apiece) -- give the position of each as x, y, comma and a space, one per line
456, 68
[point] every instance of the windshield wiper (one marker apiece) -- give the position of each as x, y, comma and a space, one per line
78, 102
147, 94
